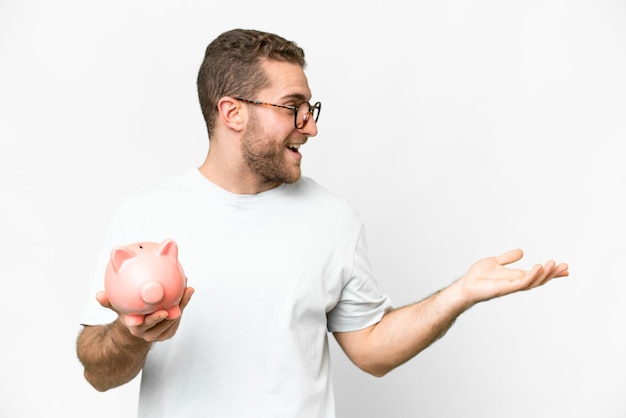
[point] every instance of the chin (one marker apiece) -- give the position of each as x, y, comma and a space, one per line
291, 176
297, 175
292, 180
285, 174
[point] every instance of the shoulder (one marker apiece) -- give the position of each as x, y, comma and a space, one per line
310, 186
323, 199
161, 191
176, 182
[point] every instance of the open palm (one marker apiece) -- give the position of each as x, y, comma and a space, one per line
490, 278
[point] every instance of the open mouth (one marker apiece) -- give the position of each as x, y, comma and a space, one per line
293, 147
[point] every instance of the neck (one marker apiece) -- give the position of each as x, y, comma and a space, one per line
233, 176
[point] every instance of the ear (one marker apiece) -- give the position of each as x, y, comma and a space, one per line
232, 113
119, 255
168, 248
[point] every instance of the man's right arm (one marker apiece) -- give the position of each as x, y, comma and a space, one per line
113, 354
110, 354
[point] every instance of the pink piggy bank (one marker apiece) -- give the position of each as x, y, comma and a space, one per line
145, 277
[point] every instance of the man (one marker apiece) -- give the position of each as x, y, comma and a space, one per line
275, 261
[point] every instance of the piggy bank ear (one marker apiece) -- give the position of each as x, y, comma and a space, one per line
119, 255
169, 248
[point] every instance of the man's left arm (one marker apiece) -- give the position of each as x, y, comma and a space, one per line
403, 333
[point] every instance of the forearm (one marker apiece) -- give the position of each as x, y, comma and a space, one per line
110, 355
405, 332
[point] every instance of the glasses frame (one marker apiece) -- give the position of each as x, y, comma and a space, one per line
295, 109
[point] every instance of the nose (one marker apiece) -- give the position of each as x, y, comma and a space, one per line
310, 128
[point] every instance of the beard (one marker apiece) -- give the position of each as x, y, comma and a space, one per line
266, 157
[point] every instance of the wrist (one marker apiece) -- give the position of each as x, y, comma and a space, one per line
122, 337
458, 296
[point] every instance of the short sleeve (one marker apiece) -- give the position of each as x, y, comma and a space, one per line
94, 313
361, 303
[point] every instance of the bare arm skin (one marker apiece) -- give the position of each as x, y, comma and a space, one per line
405, 332
113, 354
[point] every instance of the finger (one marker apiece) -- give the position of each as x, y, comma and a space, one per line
515, 274
154, 318
548, 268
103, 299
548, 272
561, 270
553, 270
186, 297
150, 322
157, 326
509, 257
531, 277
542, 276
162, 330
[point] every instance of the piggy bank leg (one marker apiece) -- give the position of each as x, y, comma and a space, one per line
133, 320
174, 312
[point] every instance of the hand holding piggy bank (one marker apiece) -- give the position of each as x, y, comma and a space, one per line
143, 278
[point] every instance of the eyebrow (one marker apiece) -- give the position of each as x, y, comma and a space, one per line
296, 96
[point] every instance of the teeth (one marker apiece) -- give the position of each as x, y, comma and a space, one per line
295, 146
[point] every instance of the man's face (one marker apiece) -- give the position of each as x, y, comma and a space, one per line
270, 143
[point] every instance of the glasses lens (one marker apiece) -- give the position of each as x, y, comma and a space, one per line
304, 113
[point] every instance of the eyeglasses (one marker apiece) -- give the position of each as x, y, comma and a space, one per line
301, 114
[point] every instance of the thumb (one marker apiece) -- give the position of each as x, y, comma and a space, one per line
103, 299
510, 257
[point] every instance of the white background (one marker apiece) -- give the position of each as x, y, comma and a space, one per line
458, 130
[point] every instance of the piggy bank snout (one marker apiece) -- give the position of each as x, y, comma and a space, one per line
152, 292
